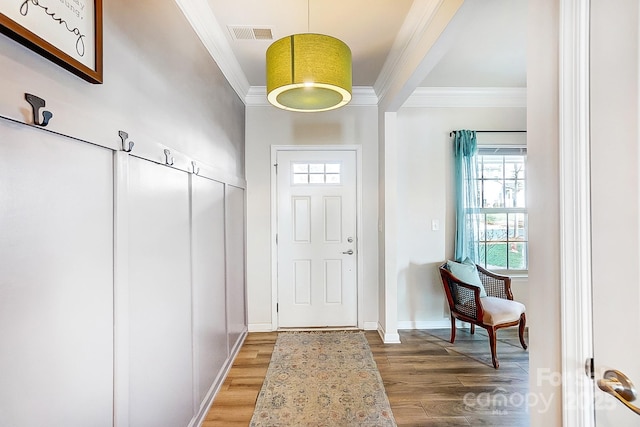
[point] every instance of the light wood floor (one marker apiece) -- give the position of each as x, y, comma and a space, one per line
429, 381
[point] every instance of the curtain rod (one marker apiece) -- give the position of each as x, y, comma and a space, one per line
453, 132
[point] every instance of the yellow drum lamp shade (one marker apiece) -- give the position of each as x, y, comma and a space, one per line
309, 73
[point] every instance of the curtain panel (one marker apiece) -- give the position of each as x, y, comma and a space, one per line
467, 203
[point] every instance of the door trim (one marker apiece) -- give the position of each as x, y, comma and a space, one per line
575, 213
274, 224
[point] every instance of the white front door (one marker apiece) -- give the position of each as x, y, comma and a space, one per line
316, 239
615, 199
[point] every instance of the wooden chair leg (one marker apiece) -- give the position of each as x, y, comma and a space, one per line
453, 329
473, 328
492, 343
523, 323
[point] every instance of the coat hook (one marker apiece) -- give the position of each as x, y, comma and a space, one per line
36, 104
195, 171
167, 153
125, 147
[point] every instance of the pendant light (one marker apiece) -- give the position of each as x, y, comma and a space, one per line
308, 72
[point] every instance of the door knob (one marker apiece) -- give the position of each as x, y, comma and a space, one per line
349, 252
619, 386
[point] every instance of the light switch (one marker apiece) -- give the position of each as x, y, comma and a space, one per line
435, 225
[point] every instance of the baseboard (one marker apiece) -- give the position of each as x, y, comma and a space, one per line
424, 324
388, 338
370, 326
217, 384
260, 327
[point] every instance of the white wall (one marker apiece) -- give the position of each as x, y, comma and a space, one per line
267, 126
425, 193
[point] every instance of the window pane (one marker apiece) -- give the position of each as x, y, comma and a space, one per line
333, 178
316, 178
492, 167
517, 256
496, 227
520, 199
300, 178
514, 167
496, 255
300, 168
482, 230
479, 198
510, 193
332, 167
316, 168
493, 197
482, 259
518, 227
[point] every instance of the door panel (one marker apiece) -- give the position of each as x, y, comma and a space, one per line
615, 198
56, 281
317, 275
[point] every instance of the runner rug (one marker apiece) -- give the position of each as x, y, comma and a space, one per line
318, 379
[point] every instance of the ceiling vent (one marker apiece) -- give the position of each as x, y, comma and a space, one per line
250, 33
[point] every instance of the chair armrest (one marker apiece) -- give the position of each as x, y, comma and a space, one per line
496, 285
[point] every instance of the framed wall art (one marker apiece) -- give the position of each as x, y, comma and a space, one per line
68, 32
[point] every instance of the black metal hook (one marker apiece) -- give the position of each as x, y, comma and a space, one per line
167, 154
125, 147
195, 171
36, 104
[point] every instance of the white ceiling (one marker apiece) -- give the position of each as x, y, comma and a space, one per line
484, 44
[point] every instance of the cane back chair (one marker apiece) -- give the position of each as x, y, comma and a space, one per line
495, 311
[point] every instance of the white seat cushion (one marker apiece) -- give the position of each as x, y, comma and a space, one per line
499, 310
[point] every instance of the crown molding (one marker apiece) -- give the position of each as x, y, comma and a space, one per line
437, 97
205, 24
424, 97
361, 96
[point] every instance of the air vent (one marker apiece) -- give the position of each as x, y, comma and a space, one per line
250, 33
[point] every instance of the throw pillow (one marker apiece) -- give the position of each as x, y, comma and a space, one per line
468, 273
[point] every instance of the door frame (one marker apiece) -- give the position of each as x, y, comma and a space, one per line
575, 213
274, 224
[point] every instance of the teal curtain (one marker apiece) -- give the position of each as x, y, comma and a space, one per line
467, 197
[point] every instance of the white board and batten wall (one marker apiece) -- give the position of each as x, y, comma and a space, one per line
122, 279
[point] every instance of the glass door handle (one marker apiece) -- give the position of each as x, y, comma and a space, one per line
619, 386
349, 252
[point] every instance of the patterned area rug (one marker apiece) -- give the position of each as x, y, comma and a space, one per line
318, 379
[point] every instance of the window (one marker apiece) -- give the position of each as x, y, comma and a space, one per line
316, 173
502, 218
